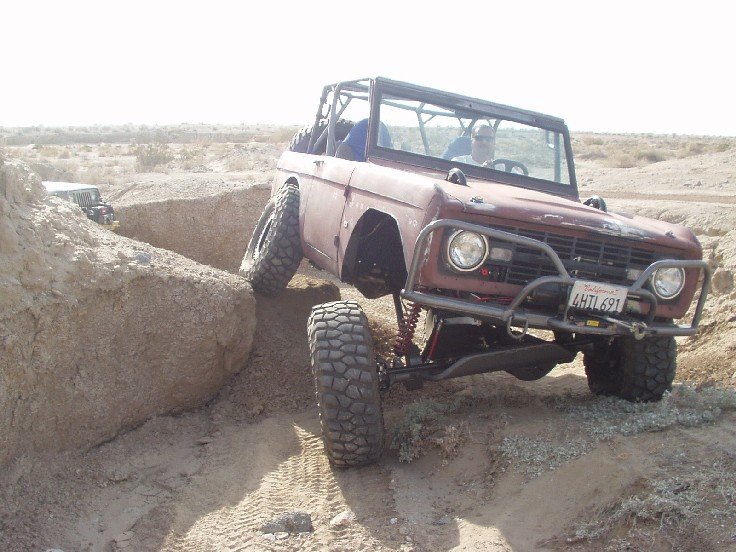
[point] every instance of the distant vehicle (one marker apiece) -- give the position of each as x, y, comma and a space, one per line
88, 198
468, 210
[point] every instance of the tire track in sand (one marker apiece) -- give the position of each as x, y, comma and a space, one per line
304, 481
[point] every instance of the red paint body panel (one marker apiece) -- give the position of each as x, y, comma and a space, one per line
336, 193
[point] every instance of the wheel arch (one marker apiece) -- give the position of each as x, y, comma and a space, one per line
374, 257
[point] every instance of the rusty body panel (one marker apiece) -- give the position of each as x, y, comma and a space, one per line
336, 193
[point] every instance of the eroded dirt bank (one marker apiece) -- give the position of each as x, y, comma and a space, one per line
98, 333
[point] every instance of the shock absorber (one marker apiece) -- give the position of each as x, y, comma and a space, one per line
407, 327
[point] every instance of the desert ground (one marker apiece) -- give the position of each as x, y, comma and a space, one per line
215, 457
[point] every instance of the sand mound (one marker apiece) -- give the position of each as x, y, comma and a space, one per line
98, 332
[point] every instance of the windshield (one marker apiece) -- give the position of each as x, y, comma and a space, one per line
477, 142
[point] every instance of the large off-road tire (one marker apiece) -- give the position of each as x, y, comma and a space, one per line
275, 250
346, 383
635, 370
300, 142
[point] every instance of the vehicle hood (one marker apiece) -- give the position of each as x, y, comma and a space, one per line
509, 204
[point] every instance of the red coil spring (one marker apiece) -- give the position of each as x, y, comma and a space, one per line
407, 327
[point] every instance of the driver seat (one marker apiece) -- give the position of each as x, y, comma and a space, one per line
353, 147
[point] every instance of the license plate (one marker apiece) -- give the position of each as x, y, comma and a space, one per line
593, 296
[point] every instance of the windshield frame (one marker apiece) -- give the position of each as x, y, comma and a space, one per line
483, 109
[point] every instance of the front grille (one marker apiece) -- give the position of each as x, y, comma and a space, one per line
583, 258
84, 199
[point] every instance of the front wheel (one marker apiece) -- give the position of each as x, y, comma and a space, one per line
346, 383
274, 252
635, 370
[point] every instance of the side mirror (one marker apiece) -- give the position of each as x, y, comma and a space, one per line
596, 202
456, 176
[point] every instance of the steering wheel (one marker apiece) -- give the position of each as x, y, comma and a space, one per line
508, 165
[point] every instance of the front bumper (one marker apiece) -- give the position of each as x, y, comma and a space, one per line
515, 315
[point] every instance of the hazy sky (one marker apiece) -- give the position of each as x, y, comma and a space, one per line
601, 65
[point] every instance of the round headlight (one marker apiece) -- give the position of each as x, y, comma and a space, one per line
466, 250
668, 282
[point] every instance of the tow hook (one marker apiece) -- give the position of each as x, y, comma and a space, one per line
637, 330
512, 333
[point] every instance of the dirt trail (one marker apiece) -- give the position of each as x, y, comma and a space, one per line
498, 464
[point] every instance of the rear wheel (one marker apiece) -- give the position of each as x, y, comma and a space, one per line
274, 252
635, 370
346, 383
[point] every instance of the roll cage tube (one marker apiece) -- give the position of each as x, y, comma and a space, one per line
342, 94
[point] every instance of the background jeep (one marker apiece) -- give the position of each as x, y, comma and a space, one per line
399, 204
88, 198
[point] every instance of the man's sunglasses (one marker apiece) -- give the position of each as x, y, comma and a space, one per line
482, 138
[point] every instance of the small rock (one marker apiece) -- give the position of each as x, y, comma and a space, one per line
143, 257
343, 518
281, 536
393, 521
404, 530
204, 441
722, 281
733, 376
444, 520
289, 522
54, 550
118, 476
124, 537
269, 536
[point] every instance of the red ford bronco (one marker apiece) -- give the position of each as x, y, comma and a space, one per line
468, 210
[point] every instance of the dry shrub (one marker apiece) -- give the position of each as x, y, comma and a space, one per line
423, 426
48, 151
535, 455
151, 156
453, 436
621, 161
673, 509
240, 164
98, 175
684, 406
282, 134
694, 148
191, 157
106, 150
593, 153
651, 156
592, 141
